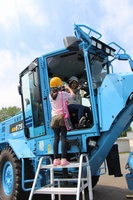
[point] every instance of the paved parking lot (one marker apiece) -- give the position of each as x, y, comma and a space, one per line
113, 188
108, 187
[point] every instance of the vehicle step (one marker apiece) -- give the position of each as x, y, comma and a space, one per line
56, 190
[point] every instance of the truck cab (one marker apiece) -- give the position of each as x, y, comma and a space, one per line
106, 93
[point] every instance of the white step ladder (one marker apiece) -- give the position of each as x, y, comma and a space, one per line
57, 189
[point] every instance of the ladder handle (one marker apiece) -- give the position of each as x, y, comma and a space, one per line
36, 175
80, 173
88, 176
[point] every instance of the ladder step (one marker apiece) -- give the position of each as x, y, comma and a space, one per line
58, 190
71, 165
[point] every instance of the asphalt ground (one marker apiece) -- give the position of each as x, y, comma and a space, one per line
113, 188
107, 188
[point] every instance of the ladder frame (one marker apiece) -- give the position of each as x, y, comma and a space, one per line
50, 189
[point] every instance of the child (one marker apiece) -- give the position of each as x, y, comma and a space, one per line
58, 100
76, 104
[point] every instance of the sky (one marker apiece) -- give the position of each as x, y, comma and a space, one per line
30, 28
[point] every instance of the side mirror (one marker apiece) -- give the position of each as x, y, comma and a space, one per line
19, 90
71, 43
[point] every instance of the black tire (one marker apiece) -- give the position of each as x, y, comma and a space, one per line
95, 180
10, 176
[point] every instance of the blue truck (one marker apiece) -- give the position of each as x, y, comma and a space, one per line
27, 136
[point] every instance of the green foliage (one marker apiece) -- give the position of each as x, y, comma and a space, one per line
7, 112
124, 133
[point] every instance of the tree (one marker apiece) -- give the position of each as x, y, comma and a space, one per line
124, 133
7, 112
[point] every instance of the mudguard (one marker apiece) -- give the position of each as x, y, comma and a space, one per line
21, 148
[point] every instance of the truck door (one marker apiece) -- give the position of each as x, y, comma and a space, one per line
32, 101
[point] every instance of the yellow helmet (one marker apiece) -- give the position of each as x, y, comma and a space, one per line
55, 82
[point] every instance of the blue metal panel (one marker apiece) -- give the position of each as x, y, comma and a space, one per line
44, 146
108, 138
112, 97
21, 148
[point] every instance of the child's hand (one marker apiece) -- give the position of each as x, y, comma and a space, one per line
66, 88
79, 87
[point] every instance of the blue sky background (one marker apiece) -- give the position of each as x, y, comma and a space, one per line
30, 28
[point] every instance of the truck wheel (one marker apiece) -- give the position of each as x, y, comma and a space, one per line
10, 175
95, 180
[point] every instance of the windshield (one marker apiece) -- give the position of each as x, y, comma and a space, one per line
99, 69
32, 97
